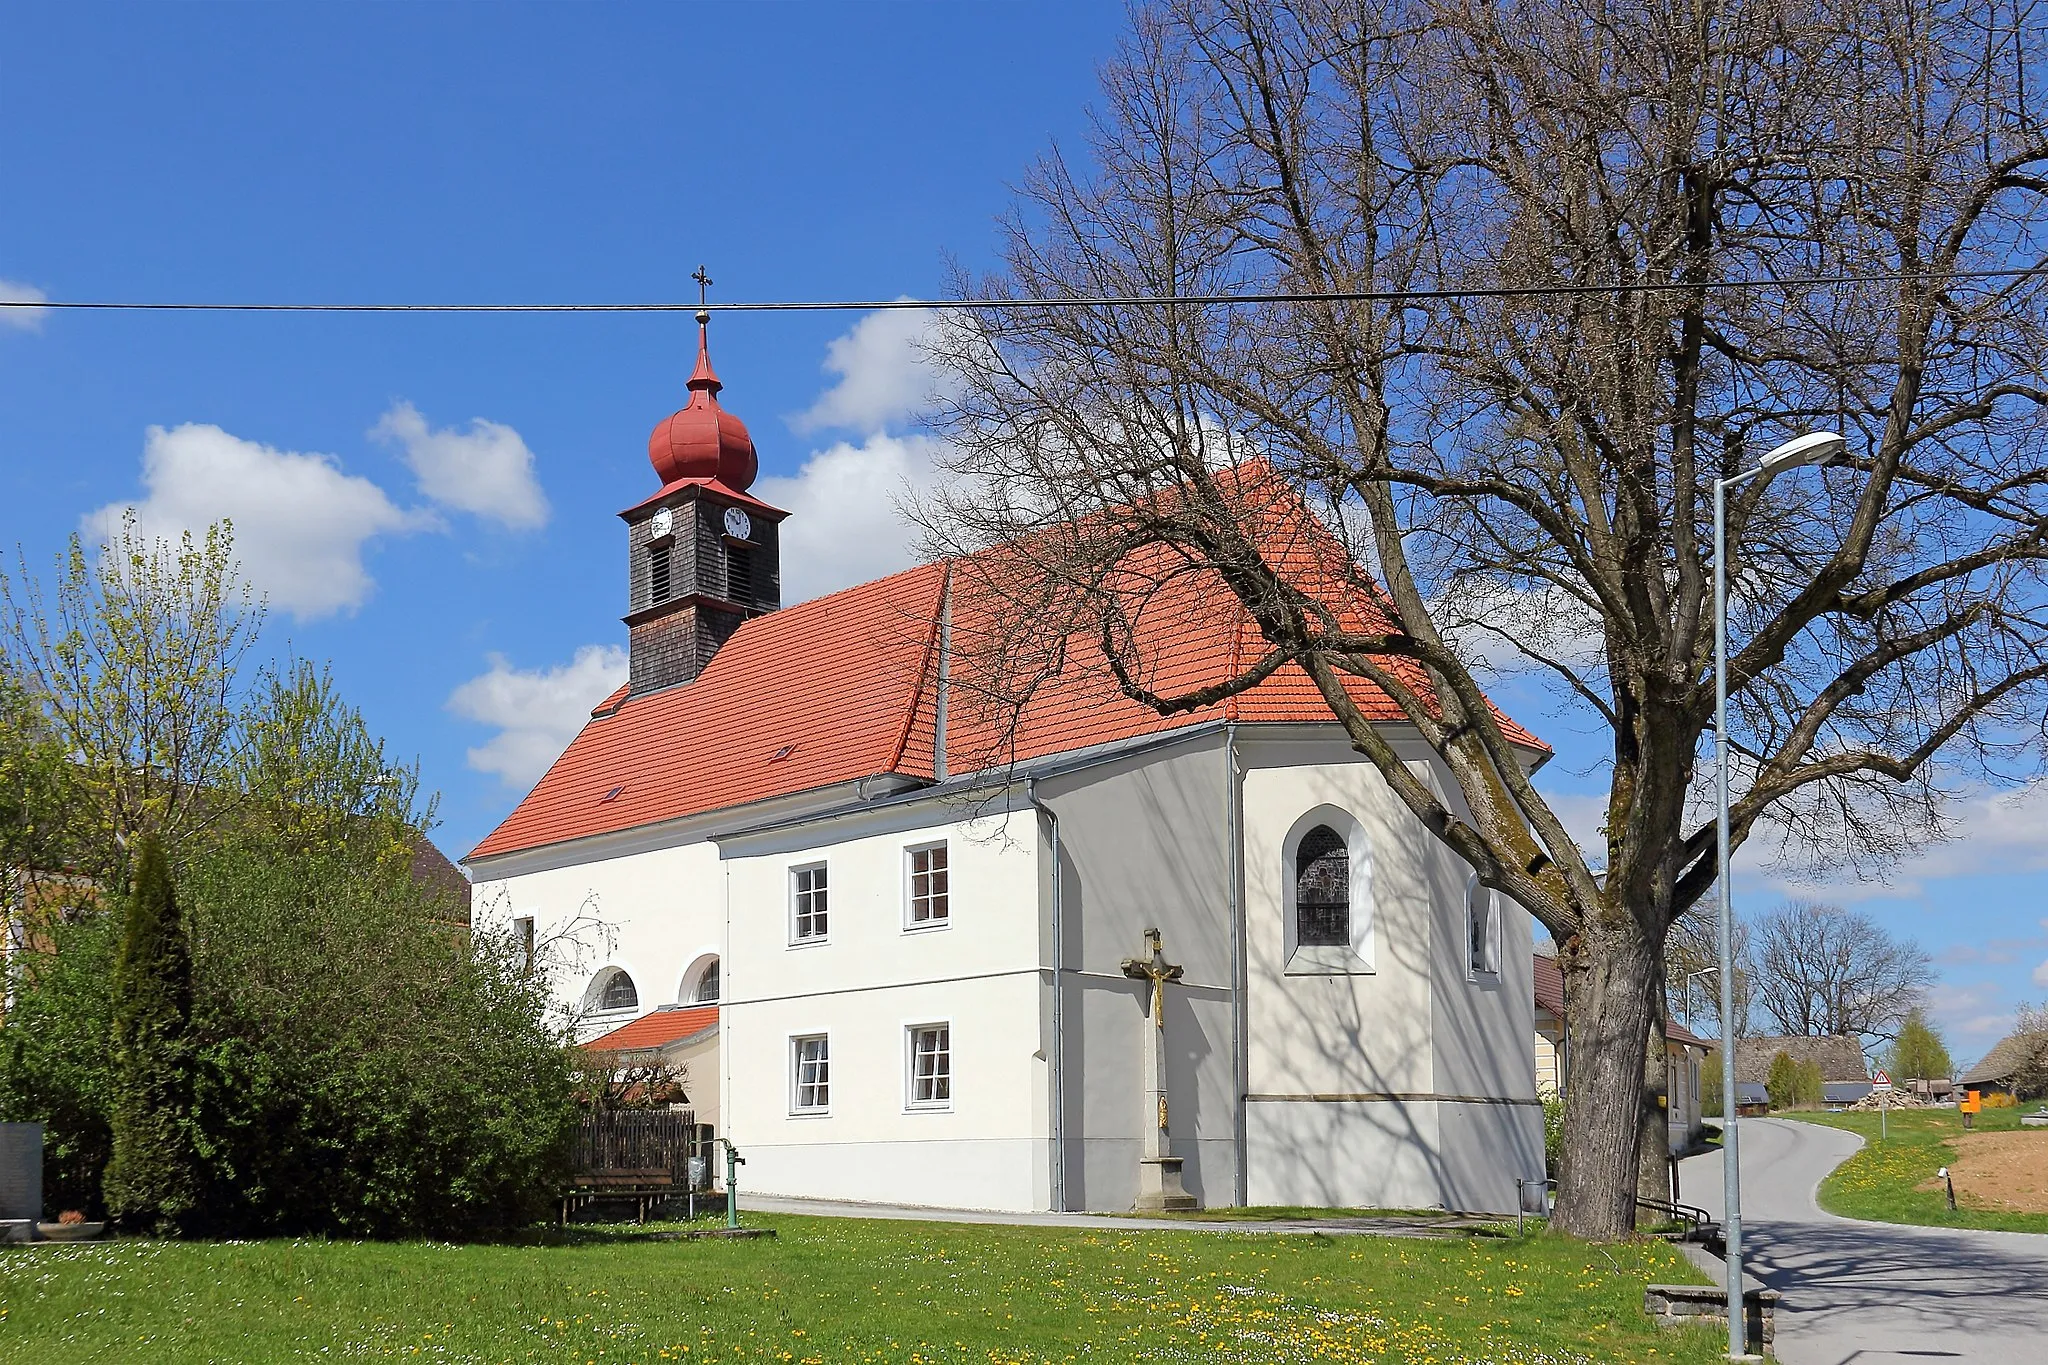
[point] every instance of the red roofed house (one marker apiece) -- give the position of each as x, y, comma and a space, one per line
916, 958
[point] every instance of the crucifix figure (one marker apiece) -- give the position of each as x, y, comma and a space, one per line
1159, 1183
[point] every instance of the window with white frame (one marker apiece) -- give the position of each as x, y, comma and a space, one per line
931, 1066
930, 899
522, 931
1482, 929
807, 902
810, 1064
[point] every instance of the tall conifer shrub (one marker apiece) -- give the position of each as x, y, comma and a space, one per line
152, 1180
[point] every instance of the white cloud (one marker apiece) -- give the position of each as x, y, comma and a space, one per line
844, 526
22, 319
536, 711
883, 371
1996, 832
2041, 976
300, 523
486, 470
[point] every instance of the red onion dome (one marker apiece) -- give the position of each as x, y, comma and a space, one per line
701, 440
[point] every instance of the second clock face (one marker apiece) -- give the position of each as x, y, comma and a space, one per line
737, 524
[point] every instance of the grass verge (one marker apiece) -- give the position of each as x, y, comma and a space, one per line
851, 1290
1884, 1181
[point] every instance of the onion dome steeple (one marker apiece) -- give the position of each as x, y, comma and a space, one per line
701, 440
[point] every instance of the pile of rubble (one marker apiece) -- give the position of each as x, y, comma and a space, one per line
1890, 1099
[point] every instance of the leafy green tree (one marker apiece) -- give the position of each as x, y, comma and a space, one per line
136, 659
1710, 1086
1780, 1081
37, 791
1918, 1054
152, 1178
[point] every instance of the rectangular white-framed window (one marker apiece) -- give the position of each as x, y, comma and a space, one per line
808, 920
810, 1073
927, 887
523, 935
928, 1049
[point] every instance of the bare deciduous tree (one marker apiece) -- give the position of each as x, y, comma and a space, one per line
1692, 959
1822, 971
1634, 246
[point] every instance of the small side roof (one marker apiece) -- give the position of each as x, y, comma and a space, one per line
657, 1029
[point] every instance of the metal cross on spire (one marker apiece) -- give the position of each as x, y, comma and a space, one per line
703, 279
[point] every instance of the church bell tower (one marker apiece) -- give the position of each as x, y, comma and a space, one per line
702, 555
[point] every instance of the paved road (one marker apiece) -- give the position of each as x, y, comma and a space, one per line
1873, 1293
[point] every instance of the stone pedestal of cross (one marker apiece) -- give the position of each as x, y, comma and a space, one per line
1159, 1184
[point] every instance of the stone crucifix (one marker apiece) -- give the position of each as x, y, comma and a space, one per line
1159, 1182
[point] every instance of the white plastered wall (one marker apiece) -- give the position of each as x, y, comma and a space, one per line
864, 987
652, 913
1393, 1081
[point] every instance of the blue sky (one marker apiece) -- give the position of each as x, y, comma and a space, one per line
430, 500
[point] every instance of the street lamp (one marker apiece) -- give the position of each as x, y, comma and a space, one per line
1815, 448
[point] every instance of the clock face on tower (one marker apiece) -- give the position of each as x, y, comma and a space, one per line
737, 524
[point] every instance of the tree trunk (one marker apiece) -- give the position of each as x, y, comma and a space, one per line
1608, 993
1653, 1170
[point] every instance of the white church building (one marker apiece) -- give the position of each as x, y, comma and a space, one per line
903, 982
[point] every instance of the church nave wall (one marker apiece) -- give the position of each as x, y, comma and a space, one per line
652, 914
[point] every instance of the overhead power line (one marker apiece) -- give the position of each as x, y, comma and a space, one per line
1062, 301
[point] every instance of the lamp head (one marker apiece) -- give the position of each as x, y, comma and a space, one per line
1816, 447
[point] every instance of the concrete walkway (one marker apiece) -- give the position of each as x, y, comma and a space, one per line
1873, 1293
1444, 1225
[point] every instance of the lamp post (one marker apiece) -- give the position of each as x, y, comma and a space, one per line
1815, 448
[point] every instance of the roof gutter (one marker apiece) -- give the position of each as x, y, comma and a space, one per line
1022, 774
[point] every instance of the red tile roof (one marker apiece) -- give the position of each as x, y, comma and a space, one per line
843, 687
658, 1028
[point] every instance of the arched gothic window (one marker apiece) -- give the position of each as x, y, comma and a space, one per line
1322, 890
618, 992
706, 990
1482, 956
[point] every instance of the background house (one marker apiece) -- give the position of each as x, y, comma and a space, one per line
2018, 1062
1845, 1077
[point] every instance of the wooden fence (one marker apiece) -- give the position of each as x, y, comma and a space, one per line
636, 1141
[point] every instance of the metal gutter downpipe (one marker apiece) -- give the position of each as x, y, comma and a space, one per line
1240, 1029
1057, 1183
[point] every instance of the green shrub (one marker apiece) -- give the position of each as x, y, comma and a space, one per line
55, 1065
349, 1059
152, 1179
1553, 1130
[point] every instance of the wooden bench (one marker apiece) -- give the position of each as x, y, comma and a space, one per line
644, 1186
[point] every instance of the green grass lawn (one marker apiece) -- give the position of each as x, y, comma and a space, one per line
1881, 1182
832, 1290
